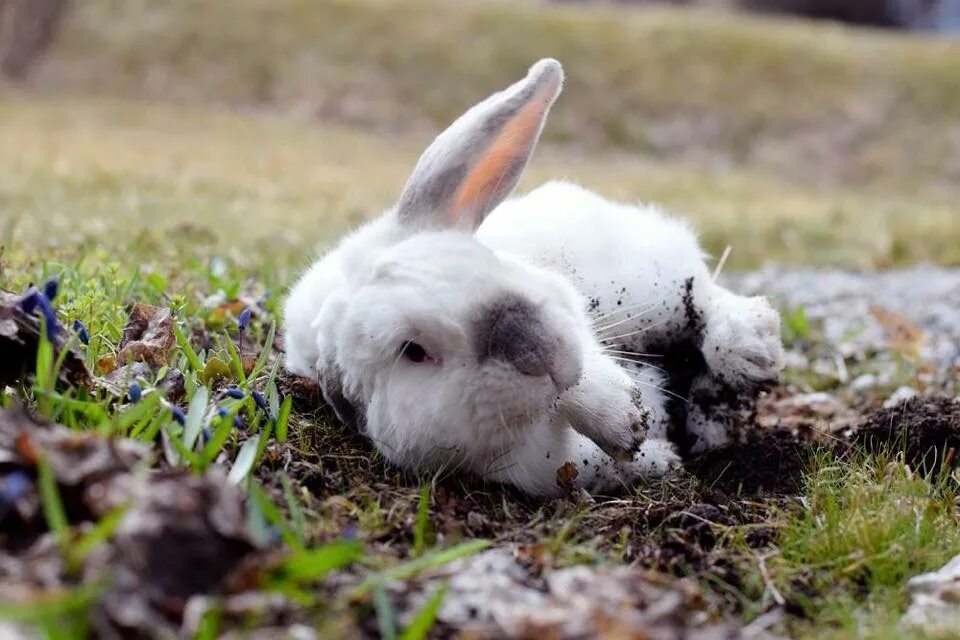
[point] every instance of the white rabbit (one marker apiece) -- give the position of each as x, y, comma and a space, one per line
478, 352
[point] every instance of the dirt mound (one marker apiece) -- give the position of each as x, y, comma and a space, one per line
772, 462
925, 429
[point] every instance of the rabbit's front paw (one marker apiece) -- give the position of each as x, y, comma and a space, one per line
606, 407
742, 344
656, 459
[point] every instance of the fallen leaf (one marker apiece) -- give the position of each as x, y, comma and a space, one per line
566, 476
105, 364
148, 335
903, 334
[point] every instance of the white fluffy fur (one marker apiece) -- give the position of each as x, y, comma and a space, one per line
608, 279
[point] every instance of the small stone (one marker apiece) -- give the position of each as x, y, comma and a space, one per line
935, 605
863, 382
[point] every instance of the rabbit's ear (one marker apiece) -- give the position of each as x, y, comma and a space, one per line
473, 165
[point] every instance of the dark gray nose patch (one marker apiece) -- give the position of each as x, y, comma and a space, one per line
510, 330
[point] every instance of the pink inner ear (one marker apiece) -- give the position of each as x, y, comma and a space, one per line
515, 140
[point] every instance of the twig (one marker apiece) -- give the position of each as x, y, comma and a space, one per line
721, 262
767, 582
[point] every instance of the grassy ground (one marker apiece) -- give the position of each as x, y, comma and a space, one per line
128, 199
260, 189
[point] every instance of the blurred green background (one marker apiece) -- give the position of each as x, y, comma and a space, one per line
259, 130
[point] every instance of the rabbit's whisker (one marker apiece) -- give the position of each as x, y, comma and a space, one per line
632, 333
626, 309
635, 316
639, 363
631, 353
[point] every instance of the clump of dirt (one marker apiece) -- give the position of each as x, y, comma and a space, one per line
766, 462
773, 462
926, 429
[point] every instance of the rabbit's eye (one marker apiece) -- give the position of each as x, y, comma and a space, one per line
413, 351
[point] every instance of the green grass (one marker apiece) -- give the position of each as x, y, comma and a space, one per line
160, 185
868, 528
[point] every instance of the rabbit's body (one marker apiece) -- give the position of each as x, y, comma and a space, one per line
536, 351
649, 292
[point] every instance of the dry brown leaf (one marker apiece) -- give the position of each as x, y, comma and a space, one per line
148, 335
903, 334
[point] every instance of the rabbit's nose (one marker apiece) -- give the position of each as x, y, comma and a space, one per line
511, 330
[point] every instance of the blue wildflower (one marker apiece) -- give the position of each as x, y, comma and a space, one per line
135, 392
34, 299
81, 330
235, 393
222, 412
14, 485
244, 320
238, 422
50, 316
206, 435
273, 535
178, 415
50, 288
30, 301
260, 401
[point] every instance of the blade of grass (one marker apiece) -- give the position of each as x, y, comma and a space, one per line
313, 564
43, 609
236, 363
273, 399
43, 375
209, 627
273, 516
426, 617
53, 511
195, 414
192, 358
283, 418
192, 460
427, 561
96, 536
386, 617
136, 413
265, 352
149, 434
420, 527
264, 438
244, 461
293, 506
212, 449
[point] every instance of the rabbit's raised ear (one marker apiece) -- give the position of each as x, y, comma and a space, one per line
476, 163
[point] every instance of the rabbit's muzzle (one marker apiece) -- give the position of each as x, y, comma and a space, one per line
512, 330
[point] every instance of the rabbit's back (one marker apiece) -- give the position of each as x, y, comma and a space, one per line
639, 270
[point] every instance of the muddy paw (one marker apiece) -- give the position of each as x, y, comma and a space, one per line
654, 460
608, 408
742, 342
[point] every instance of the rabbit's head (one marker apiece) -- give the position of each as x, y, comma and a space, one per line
443, 350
